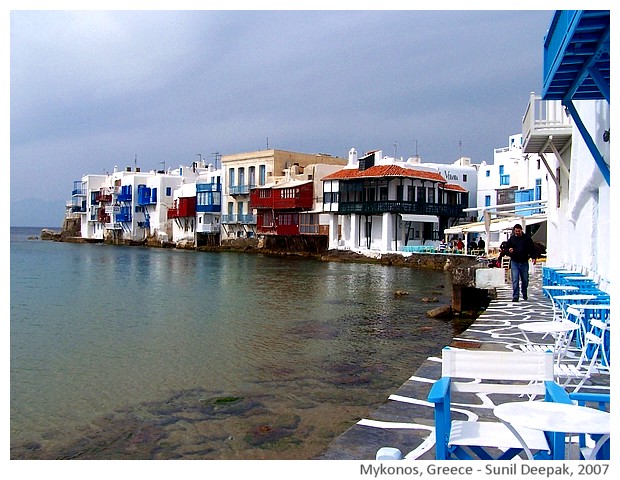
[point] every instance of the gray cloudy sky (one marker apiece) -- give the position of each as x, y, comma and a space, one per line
94, 89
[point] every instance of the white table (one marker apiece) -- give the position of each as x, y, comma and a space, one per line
555, 417
559, 329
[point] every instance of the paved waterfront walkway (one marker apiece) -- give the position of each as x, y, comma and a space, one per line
406, 421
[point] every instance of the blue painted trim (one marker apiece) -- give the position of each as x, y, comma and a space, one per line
598, 158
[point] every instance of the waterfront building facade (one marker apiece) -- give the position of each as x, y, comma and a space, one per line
244, 172
292, 204
514, 176
379, 203
576, 72
461, 172
208, 206
131, 205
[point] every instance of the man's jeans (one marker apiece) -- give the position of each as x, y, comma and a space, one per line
519, 271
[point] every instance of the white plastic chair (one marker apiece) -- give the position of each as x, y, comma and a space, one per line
593, 358
562, 345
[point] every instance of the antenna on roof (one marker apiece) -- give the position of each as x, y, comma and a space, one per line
395, 148
460, 149
267, 143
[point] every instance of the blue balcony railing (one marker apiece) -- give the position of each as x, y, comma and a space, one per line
236, 218
208, 208
208, 187
240, 189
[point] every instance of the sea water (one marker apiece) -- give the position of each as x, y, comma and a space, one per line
134, 352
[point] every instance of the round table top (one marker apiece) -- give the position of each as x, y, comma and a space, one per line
554, 417
548, 327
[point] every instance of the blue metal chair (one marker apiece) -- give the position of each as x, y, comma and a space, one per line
488, 373
557, 440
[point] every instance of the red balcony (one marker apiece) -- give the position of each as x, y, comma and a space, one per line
183, 207
103, 198
299, 197
261, 198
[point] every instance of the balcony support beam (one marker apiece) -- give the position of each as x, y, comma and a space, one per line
549, 143
594, 151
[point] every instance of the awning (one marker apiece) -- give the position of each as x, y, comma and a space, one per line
408, 217
497, 225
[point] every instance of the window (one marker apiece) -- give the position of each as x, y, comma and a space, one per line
241, 175
330, 197
231, 177
168, 191
383, 194
289, 193
252, 175
261, 174
487, 200
464, 177
421, 194
503, 179
431, 195
488, 173
267, 218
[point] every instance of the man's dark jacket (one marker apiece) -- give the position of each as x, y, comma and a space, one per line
523, 248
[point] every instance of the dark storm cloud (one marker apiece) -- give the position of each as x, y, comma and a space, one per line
94, 89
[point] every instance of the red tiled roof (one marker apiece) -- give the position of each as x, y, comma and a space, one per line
379, 171
453, 186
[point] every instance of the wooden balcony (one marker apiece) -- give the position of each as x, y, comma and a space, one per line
395, 206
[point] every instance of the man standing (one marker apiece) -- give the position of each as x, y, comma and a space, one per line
520, 248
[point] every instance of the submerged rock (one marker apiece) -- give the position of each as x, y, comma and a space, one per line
440, 312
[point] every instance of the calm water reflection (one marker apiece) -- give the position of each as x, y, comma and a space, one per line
102, 338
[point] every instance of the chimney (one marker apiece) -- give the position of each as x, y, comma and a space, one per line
352, 159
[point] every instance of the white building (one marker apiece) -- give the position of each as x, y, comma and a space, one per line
578, 227
380, 203
208, 206
129, 205
462, 172
576, 72
513, 177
